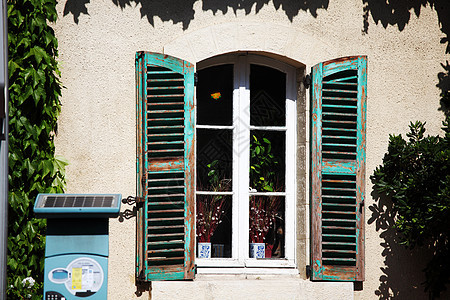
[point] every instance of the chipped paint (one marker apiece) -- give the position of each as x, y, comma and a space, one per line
338, 170
165, 168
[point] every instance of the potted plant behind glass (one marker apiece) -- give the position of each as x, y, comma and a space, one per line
263, 217
211, 210
264, 210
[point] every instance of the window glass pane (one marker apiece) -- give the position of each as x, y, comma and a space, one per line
267, 225
267, 96
214, 223
267, 161
215, 95
214, 160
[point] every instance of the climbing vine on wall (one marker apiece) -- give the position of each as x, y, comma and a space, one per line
34, 90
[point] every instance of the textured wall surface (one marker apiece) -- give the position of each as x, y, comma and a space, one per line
97, 45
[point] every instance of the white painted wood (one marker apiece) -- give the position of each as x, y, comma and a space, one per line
242, 155
249, 271
272, 128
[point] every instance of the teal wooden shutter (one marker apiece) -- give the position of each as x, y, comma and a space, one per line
165, 163
338, 126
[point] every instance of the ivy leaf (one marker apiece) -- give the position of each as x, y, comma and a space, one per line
38, 53
12, 67
60, 164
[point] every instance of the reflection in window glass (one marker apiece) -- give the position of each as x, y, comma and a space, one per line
214, 223
267, 224
215, 95
267, 96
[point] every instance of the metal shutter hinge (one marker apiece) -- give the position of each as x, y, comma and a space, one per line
195, 78
130, 200
139, 55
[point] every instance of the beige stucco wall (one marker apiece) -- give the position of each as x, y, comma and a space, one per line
97, 135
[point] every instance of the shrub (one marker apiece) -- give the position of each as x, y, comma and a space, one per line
415, 174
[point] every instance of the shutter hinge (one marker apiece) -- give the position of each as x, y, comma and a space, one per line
307, 81
130, 200
140, 55
195, 78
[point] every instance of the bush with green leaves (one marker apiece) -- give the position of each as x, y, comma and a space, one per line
34, 90
415, 174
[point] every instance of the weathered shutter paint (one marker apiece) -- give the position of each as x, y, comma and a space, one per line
338, 124
165, 164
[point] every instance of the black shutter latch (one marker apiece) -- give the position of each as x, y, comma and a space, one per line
307, 81
308, 271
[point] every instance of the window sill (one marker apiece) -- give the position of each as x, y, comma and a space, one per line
248, 266
247, 271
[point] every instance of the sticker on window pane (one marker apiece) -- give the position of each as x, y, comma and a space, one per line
267, 96
267, 161
213, 226
266, 226
215, 95
214, 160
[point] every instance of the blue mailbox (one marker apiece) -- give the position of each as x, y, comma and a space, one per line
77, 244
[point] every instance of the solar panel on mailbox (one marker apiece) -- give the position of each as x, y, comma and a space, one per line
75, 204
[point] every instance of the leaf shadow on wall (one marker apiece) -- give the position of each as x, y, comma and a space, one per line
444, 86
398, 13
403, 269
183, 11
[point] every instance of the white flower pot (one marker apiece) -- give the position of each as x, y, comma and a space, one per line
204, 250
257, 250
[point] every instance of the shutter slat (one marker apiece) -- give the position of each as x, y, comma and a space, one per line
158, 104
154, 88
166, 96
165, 211
341, 79
339, 244
338, 106
174, 203
339, 91
339, 251
339, 99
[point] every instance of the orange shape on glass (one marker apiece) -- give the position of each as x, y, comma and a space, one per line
216, 96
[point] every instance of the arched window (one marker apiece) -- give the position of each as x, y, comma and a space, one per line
245, 161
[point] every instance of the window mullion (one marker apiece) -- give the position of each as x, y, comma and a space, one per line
291, 142
242, 154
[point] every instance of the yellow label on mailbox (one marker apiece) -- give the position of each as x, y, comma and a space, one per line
76, 278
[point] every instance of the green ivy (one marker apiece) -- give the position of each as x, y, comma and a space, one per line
416, 175
34, 90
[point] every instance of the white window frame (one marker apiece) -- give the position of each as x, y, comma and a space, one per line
240, 261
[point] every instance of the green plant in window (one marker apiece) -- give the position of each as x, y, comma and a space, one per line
263, 164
